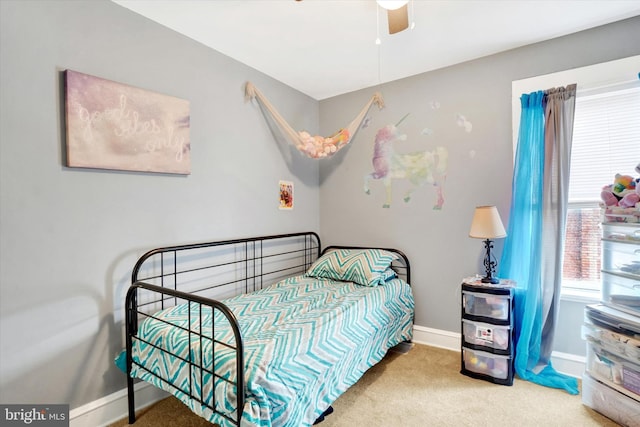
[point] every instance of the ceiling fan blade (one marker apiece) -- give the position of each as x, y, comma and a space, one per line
398, 19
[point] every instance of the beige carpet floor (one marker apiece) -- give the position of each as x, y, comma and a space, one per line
424, 388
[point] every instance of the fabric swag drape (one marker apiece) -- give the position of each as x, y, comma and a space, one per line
316, 147
534, 247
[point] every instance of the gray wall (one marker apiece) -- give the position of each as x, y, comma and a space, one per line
69, 237
479, 169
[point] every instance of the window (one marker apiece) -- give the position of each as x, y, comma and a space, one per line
606, 141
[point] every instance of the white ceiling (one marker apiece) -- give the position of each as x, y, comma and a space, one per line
325, 48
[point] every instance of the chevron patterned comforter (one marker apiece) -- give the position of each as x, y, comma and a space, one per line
306, 341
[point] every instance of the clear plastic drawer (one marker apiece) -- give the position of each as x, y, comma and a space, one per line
621, 291
613, 370
487, 335
621, 257
486, 305
621, 232
480, 362
621, 344
609, 402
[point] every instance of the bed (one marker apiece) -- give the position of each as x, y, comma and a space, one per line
263, 331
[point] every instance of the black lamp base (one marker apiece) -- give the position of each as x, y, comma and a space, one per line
489, 264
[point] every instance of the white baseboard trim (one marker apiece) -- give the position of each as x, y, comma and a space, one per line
569, 364
436, 338
113, 407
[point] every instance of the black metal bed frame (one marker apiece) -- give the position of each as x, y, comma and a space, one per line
198, 273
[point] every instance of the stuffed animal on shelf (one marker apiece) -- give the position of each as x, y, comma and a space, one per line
624, 192
607, 196
631, 199
623, 183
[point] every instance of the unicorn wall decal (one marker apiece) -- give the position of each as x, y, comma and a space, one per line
417, 167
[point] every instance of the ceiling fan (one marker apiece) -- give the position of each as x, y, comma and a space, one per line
397, 14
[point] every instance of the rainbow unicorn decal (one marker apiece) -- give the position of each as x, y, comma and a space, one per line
418, 168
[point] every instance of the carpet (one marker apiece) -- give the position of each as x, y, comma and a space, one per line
422, 386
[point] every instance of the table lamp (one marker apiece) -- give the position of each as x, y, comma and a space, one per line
486, 224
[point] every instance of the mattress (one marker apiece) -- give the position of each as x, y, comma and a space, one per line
306, 341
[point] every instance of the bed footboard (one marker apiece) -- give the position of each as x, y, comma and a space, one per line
196, 331
199, 275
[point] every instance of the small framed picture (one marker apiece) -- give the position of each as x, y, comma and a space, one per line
286, 195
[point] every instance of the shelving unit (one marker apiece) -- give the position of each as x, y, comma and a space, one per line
611, 382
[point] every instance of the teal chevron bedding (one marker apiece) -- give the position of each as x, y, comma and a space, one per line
306, 341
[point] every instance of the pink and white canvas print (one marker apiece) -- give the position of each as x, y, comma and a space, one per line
115, 126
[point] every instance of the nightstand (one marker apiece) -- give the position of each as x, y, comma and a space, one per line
487, 324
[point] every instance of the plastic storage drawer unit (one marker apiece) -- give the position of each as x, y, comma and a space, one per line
487, 332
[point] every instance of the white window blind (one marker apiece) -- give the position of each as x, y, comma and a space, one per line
606, 140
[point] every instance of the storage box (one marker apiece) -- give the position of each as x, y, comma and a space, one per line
624, 345
617, 406
493, 365
490, 337
613, 370
618, 214
486, 305
621, 291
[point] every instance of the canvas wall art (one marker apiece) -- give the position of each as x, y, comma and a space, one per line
115, 126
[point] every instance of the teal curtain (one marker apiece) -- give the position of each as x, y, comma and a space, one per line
536, 223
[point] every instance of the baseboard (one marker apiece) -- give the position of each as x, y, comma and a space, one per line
113, 407
436, 338
569, 364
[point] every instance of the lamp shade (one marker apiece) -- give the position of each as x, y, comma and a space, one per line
486, 223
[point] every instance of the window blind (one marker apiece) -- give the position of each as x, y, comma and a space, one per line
606, 140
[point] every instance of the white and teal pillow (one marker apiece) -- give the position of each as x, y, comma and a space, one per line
367, 267
388, 274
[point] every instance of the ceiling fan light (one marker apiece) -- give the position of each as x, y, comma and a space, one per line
391, 4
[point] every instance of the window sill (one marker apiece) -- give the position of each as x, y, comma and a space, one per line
580, 295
